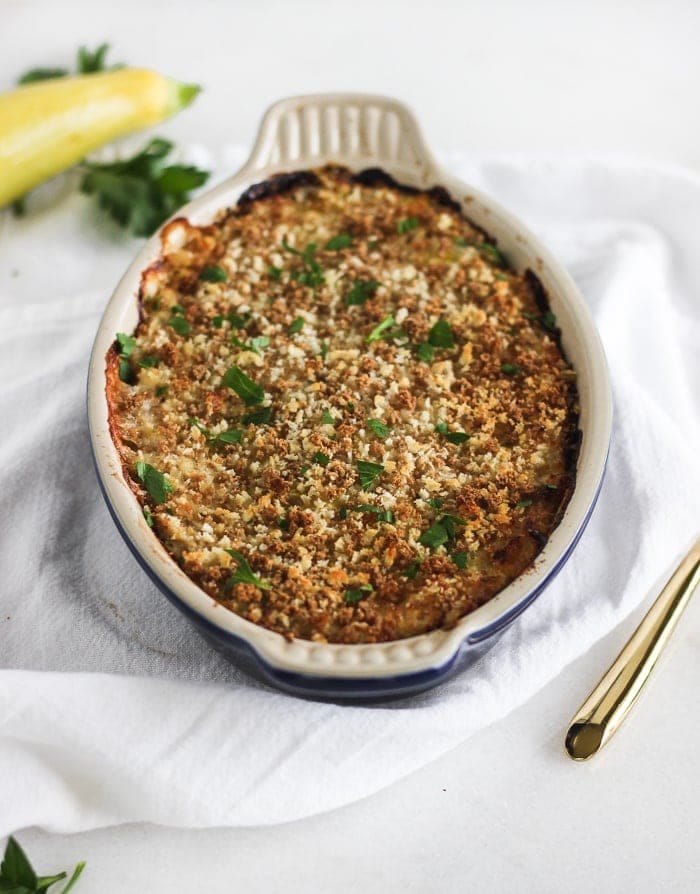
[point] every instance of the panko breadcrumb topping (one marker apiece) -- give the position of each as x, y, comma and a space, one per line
346, 418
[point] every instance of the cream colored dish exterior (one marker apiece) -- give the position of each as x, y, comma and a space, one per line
361, 131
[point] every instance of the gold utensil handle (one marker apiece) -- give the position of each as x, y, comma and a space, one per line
613, 698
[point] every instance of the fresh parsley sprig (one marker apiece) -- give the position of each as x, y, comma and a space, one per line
244, 573
141, 192
17, 875
87, 62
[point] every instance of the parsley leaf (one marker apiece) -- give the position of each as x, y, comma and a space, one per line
549, 321
361, 291
213, 273
320, 459
147, 515
255, 345
324, 349
296, 326
406, 225
35, 75
368, 473
425, 352
461, 559
87, 62
180, 325
126, 343
356, 594
440, 336
274, 272
258, 417
148, 361
244, 573
411, 571
335, 243
383, 330
141, 192
229, 436
380, 429
511, 369
441, 531
454, 437
17, 876
523, 504
249, 391
486, 249
156, 484
383, 515
327, 418
312, 274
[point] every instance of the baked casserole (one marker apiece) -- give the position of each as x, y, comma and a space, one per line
346, 418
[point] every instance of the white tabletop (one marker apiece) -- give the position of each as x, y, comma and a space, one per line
507, 811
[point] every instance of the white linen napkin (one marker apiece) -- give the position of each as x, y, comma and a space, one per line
112, 709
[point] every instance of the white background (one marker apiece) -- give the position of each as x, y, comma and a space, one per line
507, 811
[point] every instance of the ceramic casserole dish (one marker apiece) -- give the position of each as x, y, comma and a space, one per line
359, 132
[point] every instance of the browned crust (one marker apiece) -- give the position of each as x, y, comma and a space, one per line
378, 617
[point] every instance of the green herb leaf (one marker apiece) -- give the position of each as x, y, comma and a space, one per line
511, 369
77, 872
274, 272
255, 344
378, 332
435, 502
156, 484
441, 531
461, 559
523, 504
91, 61
380, 429
406, 225
320, 459
383, 515
304, 469
335, 243
296, 325
327, 418
250, 392
180, 325
549, 321
425, 352
214, 273
147, 515
161, 390
361, 291
141, 192
148, 361
34, 75
324, 350
368, 473
258, 417
244, 573
230, 436
16, 868
312, 274
491, 253
356, 594
454, 437
411, 571
126, 343
440, 336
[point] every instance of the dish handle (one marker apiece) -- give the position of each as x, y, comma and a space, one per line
356, 129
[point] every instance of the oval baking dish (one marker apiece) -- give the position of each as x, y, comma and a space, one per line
359, 132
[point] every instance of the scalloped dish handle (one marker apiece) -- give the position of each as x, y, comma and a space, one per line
356, 129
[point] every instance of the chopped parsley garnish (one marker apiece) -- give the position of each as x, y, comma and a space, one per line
425, 352
126, 343
383, 515
87, 62
440, 336
435, 502
148, 517
236, 320
178, 322
304, 469
230, 436
283, 523
383, 330
368, 473
406, 225
523, 504
380, 429
361, 291
454, 437
155, 483
274, 272
244, 573
342, 240
411, 571
249, 391
442, 531
324, 350
356, 594
327, 418
148, 361
312, 274
213, 273
320, 459
511, 369
487, 249
255, 345
258, 417
161, 390
296, 325
141, 192
461, 559
549, 321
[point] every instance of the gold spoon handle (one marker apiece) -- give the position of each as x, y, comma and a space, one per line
606, 707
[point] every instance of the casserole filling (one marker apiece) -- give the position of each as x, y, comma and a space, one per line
346, 418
